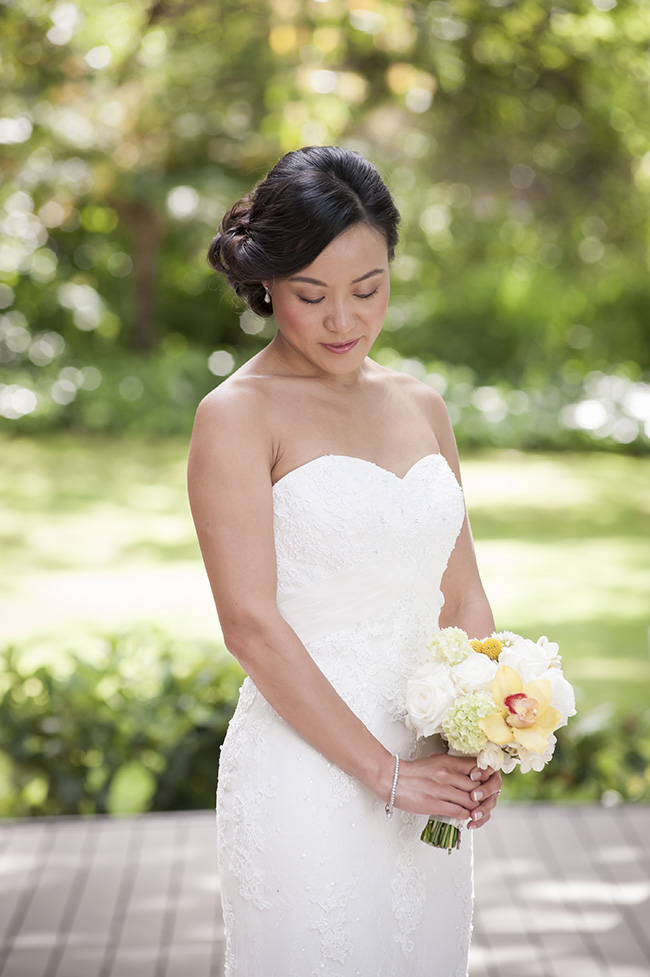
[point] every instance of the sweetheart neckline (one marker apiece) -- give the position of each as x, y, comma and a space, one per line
364, 461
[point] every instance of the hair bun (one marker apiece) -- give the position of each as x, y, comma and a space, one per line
228, 251
310, 197
238, 219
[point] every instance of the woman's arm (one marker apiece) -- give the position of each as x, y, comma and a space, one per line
466, 605
230, 491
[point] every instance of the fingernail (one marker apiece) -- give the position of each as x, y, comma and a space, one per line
477, 815
475, 775
477, 795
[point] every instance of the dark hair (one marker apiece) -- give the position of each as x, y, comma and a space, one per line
309, 197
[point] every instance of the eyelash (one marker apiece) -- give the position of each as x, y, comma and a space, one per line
318, 301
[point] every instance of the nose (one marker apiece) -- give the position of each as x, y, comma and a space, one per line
339, 318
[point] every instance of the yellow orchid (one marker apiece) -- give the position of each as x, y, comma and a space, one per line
526, 714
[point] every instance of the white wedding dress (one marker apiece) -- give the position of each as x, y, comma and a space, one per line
316, 881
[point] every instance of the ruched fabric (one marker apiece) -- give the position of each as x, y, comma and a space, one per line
348, 597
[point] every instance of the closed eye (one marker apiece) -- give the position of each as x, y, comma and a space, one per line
369, 295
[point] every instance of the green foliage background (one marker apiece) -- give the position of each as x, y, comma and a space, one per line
514, 135
136, 724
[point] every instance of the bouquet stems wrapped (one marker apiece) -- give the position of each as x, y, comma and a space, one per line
442, 833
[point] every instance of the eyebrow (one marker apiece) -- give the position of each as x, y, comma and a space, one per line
315, 281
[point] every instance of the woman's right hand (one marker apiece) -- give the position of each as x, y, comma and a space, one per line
437, 785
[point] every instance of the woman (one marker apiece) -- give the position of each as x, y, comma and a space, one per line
325, 493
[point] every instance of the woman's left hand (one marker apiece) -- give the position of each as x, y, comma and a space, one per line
490, 788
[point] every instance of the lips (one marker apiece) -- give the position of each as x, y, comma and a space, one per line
340, 347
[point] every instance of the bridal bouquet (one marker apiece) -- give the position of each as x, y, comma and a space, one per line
500, 699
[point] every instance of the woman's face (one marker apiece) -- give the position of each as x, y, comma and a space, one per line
331, 312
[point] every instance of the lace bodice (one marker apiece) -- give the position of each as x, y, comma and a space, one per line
361, 552
339, 512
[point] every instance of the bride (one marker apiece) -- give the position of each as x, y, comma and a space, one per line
325, 491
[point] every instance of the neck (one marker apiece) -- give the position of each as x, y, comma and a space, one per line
288, 360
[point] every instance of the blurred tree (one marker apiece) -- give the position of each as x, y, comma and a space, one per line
515, 136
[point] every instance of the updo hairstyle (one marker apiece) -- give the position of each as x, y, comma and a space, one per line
309, 197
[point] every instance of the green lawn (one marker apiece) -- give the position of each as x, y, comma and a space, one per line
563, 542
96, 534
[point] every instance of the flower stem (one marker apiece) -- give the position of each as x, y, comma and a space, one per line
439, 834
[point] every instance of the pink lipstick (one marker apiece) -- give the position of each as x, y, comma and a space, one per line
340, 347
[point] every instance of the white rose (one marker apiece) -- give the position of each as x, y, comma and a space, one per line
429, 693
490, 756
534, 657
474, 674
552, 649
530, 659
563, 696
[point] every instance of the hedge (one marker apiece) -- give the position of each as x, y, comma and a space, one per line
134, 723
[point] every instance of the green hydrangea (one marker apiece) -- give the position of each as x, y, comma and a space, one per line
450, 645
460, 725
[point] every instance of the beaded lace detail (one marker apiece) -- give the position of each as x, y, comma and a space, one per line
325, 520
314, 878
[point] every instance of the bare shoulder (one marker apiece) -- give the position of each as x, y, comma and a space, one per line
427, 403
230, 494
233, 429
238, 407
421, 395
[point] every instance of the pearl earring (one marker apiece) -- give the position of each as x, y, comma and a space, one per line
267, 297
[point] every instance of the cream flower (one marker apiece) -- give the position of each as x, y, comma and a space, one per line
507, 638
531, 659
525, 714
563, 697
474, 674
539, 659
429, 693
490, 756
536, 761
461, 726
450, 645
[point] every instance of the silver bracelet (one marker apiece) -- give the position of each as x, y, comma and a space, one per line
389, 806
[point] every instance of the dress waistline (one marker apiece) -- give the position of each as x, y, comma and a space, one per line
348, 597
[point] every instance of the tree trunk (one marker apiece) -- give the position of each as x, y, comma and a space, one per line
146, 232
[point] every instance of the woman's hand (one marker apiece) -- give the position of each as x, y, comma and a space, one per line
437, 784
448, 786
488, 784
